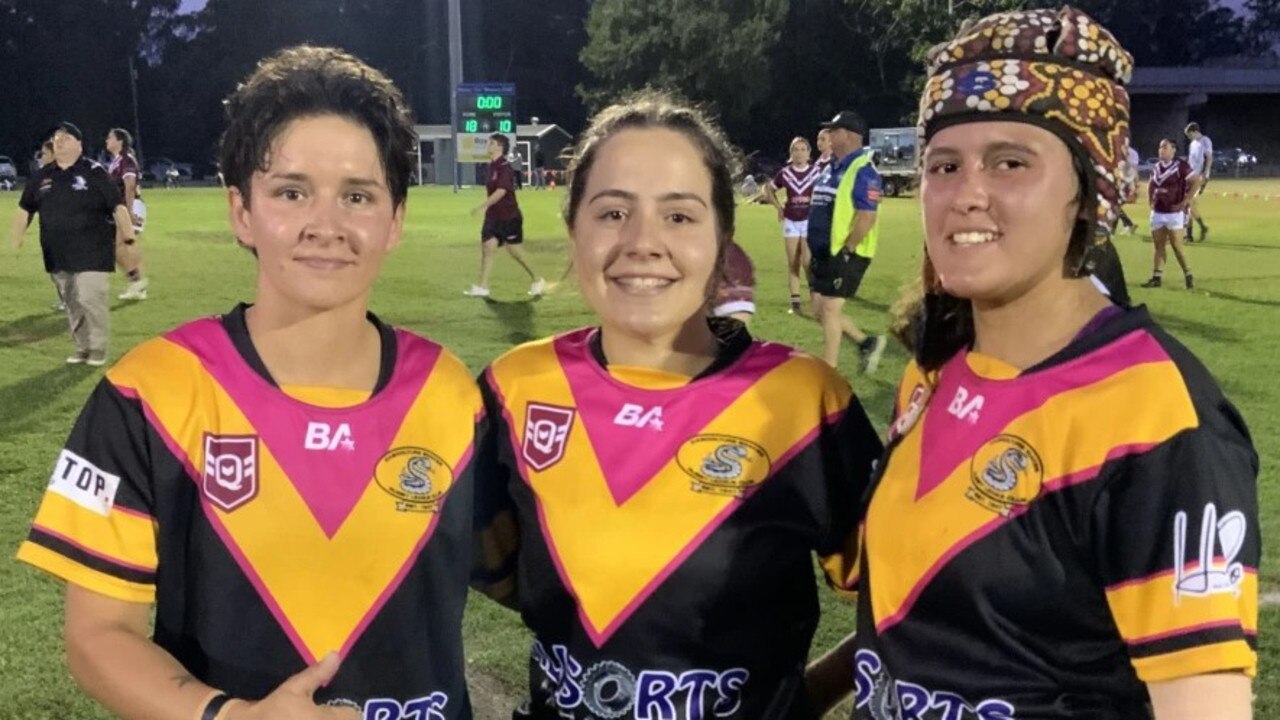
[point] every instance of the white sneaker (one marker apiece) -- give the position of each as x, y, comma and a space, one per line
538, 287
77, 358
476, 291
96, 359
136, 290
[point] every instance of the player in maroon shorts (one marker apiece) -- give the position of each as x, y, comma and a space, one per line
503, 223
797, 179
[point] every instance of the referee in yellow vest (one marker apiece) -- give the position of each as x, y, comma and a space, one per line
843, 228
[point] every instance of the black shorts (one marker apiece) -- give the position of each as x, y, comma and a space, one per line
837, 276
508, 232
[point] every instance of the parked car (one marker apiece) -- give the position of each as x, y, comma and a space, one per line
8, 171
158, 170
1234, 160
1145, 167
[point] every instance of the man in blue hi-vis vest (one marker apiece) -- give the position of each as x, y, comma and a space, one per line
842, 237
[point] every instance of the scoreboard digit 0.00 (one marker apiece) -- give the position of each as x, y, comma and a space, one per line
483, 109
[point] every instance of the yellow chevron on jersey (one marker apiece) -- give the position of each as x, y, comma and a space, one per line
962, 508
322, 604
612, 553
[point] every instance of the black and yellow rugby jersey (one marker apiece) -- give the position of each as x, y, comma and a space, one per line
1042, 544
270, 530
660, 531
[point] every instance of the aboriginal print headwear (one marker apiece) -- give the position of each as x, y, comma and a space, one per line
1056, 68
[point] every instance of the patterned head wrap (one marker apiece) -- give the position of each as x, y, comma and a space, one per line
1054, 68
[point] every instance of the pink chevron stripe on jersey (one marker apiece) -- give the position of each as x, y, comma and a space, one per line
684, 411
330, 481
955, 428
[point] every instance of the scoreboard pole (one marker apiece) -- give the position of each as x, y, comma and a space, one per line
455, 80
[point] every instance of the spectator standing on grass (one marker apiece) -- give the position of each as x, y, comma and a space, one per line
843, 233
287, 485
81, 218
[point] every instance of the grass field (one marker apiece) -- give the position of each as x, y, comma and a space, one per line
1230, 321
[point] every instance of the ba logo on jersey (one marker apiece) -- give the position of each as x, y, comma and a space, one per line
323, 436
546, 430
965, 406
230, 470
632, 415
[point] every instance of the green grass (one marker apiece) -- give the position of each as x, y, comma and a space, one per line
196, 269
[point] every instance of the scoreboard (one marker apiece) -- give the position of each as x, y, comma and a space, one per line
483, 109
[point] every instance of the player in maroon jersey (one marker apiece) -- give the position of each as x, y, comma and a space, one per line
824, 149
736, 289
1169, 193
797, 179
124, 171
503, 222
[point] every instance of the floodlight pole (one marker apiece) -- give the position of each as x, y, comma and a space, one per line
455, 79
137, 128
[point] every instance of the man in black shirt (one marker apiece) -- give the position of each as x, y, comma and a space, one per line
81, 213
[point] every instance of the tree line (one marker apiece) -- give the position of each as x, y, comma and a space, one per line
768, 68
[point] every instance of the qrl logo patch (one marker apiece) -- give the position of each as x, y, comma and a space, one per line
230, 470
546, 430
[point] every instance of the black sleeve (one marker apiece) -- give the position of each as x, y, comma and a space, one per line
30, 200
850, 451
1175, 537
96, 525
106, 188
496, 523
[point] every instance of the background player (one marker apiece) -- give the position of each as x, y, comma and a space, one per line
659, 483
1168, 192
1142, 532
503, 223
1200, 158
797, 180
736, 291
236, 472
1129, 188
124, 171
824, 150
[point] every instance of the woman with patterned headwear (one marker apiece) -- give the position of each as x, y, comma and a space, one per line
1066, 520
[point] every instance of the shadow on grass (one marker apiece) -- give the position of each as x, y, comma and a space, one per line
516, 316
32, 328
42, 326
1181, 326
1218, 295
26, 397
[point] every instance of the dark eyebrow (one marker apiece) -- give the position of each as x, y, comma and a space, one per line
993, 147
303, 177
667, 197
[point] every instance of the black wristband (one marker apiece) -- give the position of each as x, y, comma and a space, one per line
215, 706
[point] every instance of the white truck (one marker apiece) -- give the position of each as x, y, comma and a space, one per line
895, 157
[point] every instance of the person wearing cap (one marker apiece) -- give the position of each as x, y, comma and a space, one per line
1066, 519
843, 231
1200, 157
81, 216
